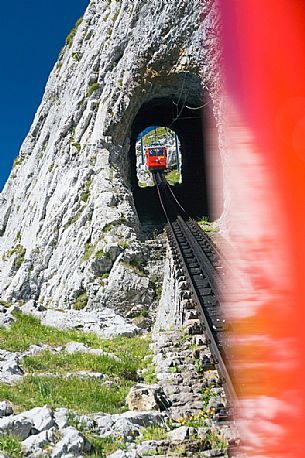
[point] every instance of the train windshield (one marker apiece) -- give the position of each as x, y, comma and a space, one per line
156, 152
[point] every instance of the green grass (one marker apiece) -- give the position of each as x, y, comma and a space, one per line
107, 227
149, 375
206, 225
74, 218
61, 363
11, 445
102, 446
76, 393
152, 433
76, 56
173, 177
136, 265
123, 244
79, 394
27, 330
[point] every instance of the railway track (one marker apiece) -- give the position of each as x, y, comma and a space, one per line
203, 268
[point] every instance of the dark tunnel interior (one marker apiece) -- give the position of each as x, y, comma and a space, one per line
193, 192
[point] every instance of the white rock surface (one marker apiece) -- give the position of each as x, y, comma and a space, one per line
41, 417
19, 425
123, 454
104, 323
178, 434
33, 445
67, 210
6, 409
61, 417
75, 347
10, 370
72, 444
127, 425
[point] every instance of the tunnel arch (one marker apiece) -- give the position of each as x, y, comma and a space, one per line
187, 111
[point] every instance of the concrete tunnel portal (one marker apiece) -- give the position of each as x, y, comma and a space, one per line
192, 122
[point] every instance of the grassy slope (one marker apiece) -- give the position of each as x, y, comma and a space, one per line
82, 395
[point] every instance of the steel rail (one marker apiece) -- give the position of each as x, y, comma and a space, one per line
195, 252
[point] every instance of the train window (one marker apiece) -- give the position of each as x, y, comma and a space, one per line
158, 149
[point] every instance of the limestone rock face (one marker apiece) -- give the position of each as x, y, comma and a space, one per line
67, 214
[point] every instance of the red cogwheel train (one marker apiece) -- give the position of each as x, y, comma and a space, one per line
156, 158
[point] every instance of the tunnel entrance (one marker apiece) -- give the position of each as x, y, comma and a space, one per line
188, 119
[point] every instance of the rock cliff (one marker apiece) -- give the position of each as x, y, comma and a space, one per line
70, 235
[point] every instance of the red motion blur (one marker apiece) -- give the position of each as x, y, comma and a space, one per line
156, 158
264, 59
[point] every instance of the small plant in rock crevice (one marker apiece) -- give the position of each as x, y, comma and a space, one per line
77, 146
5, 304
18, 251
81, 301
18, 161
71, 35
92, 88
136, 265
89, 248
76, 56
86, 194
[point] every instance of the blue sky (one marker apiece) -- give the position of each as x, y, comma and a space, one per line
32, 34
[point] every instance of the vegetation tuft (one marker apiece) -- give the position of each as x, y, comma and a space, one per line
173, 177
18, 251
152, 433
81, 301
88, 251
70, 37
11, 445
103, 446
86, 194
92, 88
18, 161
206, 225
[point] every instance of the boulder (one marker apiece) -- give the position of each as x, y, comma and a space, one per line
127, 425
75, 347
19, 425
72, 444
124, 454
143, 397
179, 434
6, 409
61, 417
6, 321
33, 445
41, 417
